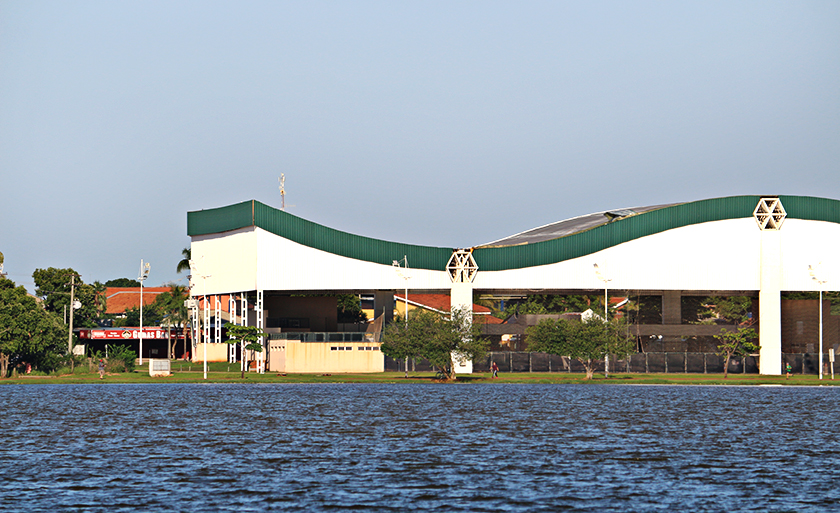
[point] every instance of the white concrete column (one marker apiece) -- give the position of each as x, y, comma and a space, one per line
770, 215
462, 270
461, 297
232, 311
218, 315
244, 309
770, 304
261, 325
206, 321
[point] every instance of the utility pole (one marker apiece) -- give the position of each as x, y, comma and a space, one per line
72, 301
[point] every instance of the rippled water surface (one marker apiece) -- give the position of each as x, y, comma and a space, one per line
424, 447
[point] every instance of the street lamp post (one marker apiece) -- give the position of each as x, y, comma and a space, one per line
406, 277
606, 314
144, 273
813, 272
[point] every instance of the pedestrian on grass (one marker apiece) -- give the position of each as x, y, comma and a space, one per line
787, 370
495, 369
101, 369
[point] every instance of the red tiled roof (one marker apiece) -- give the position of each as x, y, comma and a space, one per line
122, 298
439, 302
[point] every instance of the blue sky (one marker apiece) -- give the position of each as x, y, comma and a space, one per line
435, 123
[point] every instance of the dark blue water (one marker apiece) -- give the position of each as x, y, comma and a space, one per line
424, 447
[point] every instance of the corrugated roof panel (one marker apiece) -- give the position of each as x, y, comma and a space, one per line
347, 244
494, 258
223, 219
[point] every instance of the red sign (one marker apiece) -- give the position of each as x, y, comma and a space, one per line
126, 334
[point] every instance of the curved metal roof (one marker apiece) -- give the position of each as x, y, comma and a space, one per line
548, 244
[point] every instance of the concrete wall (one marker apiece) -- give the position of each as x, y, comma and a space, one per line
277, 356
229, 259
321, 357
215, 352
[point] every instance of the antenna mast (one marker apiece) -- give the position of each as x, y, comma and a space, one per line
282, 191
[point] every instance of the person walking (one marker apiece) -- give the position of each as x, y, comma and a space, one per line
787, 370
495, 369
101, 369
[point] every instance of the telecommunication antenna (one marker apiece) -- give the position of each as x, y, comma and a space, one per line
282, 191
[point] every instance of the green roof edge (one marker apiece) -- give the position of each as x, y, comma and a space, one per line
308, 233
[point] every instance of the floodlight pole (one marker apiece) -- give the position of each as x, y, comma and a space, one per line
144, 273
606, 314
821, 333
405, 277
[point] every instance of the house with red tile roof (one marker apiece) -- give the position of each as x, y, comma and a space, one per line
440, 303
121, 299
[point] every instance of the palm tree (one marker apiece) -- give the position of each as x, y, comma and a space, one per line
184, 264
176, 311
100, 300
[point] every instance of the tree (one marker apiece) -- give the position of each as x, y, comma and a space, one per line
170, 305
184, 263
250, 335
152, 315
548, 304
736, 343
28, 333
100, 299
54, 287
122, 282
587, 341
726, 310
402, 340
350, 309
437, 338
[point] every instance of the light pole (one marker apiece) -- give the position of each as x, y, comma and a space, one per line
144, 273
606, 314
406, 277
813, 272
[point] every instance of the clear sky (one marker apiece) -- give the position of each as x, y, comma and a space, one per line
436, 123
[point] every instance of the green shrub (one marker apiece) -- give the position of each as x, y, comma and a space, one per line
120, 359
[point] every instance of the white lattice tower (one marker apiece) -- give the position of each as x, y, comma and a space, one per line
769, 214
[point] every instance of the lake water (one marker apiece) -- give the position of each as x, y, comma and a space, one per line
379, 447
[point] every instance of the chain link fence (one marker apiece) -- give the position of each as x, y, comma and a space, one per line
639, 363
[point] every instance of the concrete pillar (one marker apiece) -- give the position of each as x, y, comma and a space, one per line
671, 307
461, 297
770, 304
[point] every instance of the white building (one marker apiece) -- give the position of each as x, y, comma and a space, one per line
747, 245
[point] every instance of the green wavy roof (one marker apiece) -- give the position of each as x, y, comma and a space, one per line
618, 231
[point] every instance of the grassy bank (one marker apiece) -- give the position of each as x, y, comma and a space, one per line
229, 373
